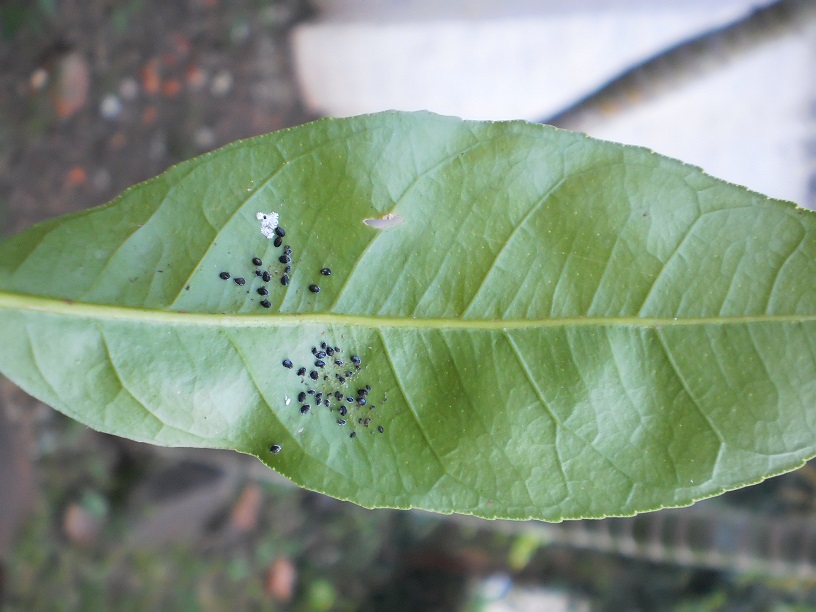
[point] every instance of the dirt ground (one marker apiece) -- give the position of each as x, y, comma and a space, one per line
96, 95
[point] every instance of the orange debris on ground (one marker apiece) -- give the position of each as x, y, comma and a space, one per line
171, 88
149, 115
71, 87
280, 579
76, 176
80, 526
244, 514
151, 81
117, 141
181, 43
195, 77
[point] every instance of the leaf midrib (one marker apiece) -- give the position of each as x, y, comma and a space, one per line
33, 303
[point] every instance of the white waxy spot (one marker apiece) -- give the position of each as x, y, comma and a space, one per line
269, 221
287, 399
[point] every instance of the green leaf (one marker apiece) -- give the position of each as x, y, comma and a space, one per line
556, 328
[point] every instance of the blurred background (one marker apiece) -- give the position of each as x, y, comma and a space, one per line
96, 95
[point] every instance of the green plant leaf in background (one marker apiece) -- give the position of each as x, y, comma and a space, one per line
550, 326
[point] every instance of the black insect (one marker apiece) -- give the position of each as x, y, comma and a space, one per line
368, 387
341, 379
284, 259
224, 275
319, 397
343, 411
361, 401
239, 281
305, 408
380, 429
353, 434
356, 360
258, 273
325, 271
312, 288
366, 422
266, 276
280, 231
275, 449
338, 396
266, 303
313, 375
314, 350
311, 392
329, 351
302, 396
320, 363
287, 269
320, 354
326, 402
286, 363
285, 280
336, 349
350, 400
287, 250
362, 391
323, 346
341, 421
278, 241
262, 291
301, 372
257, 261
338, 362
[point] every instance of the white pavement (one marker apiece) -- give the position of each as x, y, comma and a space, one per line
751, 123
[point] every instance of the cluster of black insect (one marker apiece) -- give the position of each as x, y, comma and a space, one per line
263, 274
285, 258
327, 381
330, 370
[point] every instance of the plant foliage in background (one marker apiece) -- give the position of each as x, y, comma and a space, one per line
502, 319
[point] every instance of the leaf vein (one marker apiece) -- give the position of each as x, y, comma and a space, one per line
519, 227
659, 277
779, 270
684, 383
520, 477
126, 388
540, 394
417, 420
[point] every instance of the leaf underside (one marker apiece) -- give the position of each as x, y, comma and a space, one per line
556, 327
